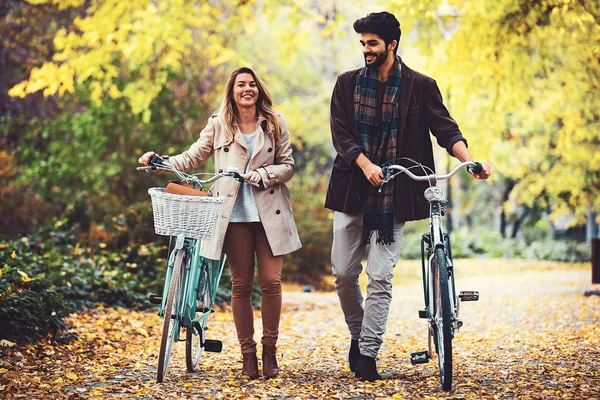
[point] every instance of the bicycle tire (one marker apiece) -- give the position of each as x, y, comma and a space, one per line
443, 319
170, 317
195, 335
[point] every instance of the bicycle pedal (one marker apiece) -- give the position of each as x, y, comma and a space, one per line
202, 309
154, 299
214, 346
468, 295
423, 314
420, 357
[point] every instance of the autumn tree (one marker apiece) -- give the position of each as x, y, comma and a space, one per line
524, 77
135, 75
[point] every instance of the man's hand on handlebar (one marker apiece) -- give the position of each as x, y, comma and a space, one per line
485, 172
371, 171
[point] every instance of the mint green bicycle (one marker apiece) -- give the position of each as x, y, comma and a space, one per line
191, 281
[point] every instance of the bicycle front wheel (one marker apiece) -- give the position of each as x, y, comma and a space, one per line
196, 334
443, 319
171, 316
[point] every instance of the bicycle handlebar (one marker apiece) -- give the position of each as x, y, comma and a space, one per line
474, 167
157, 163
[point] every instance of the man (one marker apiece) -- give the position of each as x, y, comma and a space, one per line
379, 113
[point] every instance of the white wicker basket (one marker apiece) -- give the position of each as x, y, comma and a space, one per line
191, 216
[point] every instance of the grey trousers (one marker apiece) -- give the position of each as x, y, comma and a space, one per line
368, 324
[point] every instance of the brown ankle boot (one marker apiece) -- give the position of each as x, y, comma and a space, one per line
250, 368
269, 360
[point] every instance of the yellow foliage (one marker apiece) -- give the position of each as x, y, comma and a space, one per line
523, 84
137, 42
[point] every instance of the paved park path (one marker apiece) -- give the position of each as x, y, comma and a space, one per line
534, 334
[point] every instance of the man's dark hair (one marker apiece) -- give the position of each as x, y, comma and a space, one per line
382, 24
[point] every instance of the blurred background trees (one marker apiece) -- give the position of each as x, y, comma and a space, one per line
86, 86
523, 77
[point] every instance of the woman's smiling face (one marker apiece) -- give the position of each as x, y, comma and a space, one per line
245, 91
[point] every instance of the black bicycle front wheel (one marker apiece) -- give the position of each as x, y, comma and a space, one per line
171, 316
443, 319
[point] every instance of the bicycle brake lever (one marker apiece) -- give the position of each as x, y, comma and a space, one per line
381, 186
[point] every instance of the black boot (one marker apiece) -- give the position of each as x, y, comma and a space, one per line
367, 369
353, 355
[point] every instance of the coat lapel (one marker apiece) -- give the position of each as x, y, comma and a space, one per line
408, 78
220, 141
260, 141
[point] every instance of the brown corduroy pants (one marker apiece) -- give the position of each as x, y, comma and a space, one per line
242, 241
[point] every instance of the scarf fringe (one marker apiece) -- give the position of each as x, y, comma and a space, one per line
384, 237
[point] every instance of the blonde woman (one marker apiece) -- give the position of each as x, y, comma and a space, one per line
247, 134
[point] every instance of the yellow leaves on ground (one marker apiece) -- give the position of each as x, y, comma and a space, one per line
532, 335
72, 376
142, 332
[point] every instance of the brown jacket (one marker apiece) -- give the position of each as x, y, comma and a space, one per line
421, 111
272, 159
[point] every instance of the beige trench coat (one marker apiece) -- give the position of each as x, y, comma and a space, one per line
272, 159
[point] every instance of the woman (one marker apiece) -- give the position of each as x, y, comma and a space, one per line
246, 133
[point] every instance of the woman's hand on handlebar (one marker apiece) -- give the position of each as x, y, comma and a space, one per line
146, 157
253, 177
486, 170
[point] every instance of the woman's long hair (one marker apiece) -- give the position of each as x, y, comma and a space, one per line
228, 113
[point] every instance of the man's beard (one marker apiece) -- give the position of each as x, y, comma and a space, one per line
381, 57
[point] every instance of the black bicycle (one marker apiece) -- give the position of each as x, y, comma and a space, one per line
441, 302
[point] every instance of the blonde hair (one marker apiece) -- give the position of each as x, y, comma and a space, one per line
228, 115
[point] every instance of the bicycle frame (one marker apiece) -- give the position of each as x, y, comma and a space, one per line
441, 240
188, 301
192, 284
439, 290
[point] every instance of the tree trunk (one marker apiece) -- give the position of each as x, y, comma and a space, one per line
591, 230
510, 184
517, 224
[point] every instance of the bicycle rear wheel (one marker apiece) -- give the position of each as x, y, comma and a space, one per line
171, 316
196, 335
443, 319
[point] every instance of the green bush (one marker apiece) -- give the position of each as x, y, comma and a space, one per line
487, 243
44, 277
314, 222
29, 309
411, 246
559, 250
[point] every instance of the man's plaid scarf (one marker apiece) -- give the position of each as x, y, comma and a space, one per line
379, 208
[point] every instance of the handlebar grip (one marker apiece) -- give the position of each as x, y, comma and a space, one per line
236, 175
477, 168
386, 172
155, 160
